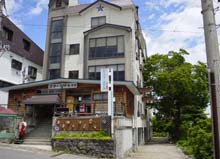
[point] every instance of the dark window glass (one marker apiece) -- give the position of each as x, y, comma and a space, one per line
57, 26
74, 74
109, 47
54, 73
55, 52
74, 49
55, 49
96, 21
58, 3
26, 45
119, 72
100, 96
32, 72
7, 33
16, 64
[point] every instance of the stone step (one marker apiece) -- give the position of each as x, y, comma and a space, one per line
36, 143
37, 140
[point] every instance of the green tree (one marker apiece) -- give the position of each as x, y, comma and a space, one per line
181, 87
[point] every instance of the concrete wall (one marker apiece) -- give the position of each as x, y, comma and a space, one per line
123, 136
124, 142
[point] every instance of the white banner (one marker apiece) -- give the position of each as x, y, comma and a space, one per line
104, 79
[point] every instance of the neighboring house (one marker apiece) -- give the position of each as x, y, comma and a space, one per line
22, 63
81, 40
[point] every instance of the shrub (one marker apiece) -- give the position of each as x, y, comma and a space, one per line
99, 135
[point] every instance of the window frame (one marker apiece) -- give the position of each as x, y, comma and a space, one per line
26, 45
8, 33
105, 53
15, 64
55, 41
97, 74
74, 71
49, 73
97, 18
75, 50
32, 72
58, 3
100, 96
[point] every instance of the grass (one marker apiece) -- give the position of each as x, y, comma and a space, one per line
99, 135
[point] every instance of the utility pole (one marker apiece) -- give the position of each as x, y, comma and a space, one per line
2, 4
3, 47
212, 52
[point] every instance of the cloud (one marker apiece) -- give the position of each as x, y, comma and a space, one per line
39, 6
179, 28
13, 6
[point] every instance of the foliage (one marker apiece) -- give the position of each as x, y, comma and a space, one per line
181, 87
198, 139
182, 92
99, 135
159, 127
159, 134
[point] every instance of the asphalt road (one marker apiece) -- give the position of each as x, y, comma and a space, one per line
20, 153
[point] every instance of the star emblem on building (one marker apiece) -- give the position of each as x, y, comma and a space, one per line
100, 8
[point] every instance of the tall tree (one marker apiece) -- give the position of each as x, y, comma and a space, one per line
181, 87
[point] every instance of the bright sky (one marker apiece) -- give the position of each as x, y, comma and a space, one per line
167, 24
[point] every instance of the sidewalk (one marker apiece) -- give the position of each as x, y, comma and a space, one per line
158, 151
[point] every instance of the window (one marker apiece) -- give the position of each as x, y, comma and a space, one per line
100, 96
56, 31
119, 72
58, 3
74, 49
54, 73
108, 47
96, 21
26, 45
5, 84
16, 64
32, 72
74, 74
55, 49
7, 33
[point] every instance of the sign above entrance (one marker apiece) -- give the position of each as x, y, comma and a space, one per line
62, 85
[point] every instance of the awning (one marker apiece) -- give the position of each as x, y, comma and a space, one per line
4, 110
43, 99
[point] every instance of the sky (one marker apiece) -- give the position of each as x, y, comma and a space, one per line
168, 25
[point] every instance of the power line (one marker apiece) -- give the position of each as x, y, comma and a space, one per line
148, 29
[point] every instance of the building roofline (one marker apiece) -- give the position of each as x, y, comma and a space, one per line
114, 5
35, 54
129, 84
108, 25
52, 1
25, 35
